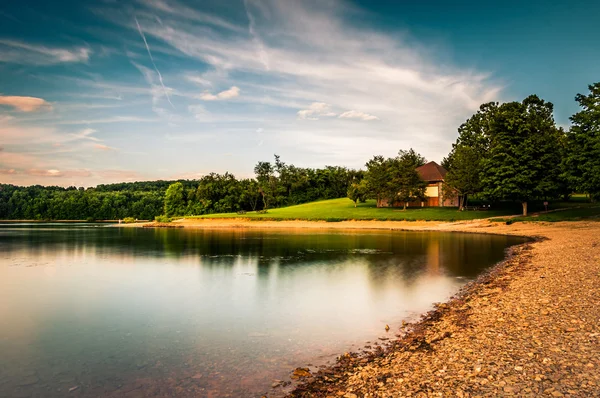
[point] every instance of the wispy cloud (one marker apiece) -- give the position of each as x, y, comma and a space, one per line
85, 134
112, 119
24, 104
198, 80
223, 95
299, 52
19, 52
315, 111
357, 115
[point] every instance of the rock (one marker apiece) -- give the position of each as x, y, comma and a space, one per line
300, 373
75, 388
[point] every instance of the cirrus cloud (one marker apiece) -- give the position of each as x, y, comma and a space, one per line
18, 52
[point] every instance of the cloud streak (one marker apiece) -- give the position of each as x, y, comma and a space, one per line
24, 104
153, 63
18, 52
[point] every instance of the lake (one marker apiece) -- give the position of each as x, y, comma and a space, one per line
88, 310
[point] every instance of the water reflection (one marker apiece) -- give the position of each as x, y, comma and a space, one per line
194, 313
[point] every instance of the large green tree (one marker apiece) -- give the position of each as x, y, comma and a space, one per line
582, 148
465, 160
175, 200
377, 179
395, 179
522, 162
405, 183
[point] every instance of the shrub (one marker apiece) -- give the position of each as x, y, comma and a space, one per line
262, 211
90, 219
162, 218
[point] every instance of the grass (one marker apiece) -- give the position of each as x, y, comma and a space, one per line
571, 214
334, 210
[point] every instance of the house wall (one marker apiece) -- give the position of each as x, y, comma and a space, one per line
435, 198
432, 191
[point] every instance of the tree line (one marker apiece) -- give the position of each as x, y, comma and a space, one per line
511, 151
276, 184
514, 151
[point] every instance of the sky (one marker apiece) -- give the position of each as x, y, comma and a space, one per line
95, 92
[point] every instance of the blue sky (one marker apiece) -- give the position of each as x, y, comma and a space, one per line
104, 91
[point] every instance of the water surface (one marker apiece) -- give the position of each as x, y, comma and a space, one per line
154, 312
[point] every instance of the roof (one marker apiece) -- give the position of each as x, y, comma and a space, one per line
432, 172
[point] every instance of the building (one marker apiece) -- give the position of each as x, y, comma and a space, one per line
434, 174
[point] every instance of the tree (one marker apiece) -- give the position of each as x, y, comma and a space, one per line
265, 175
464, 162
582, 148
524, 152
250, 193
463, 177
377, 179
174, 200
357, 192
405, 182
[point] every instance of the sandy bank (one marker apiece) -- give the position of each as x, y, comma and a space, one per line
297, 224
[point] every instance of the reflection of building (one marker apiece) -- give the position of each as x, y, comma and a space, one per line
434, 251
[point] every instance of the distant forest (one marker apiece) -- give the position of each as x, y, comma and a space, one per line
504, 152
280, 185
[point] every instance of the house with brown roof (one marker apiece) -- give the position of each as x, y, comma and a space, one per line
434, 175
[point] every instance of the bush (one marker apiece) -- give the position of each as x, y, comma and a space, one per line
509, 222
241, 212
262, 211
129, 220
162, 219
90, 219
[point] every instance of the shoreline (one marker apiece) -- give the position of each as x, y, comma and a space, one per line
411, 336
528, 326
234, 223
427, 357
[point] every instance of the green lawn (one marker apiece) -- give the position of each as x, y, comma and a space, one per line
343, 209
572, 214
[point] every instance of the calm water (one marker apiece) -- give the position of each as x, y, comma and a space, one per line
140, 312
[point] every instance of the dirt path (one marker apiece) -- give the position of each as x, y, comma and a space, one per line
529, 328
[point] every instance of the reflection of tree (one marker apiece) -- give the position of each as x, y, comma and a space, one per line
389, 256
